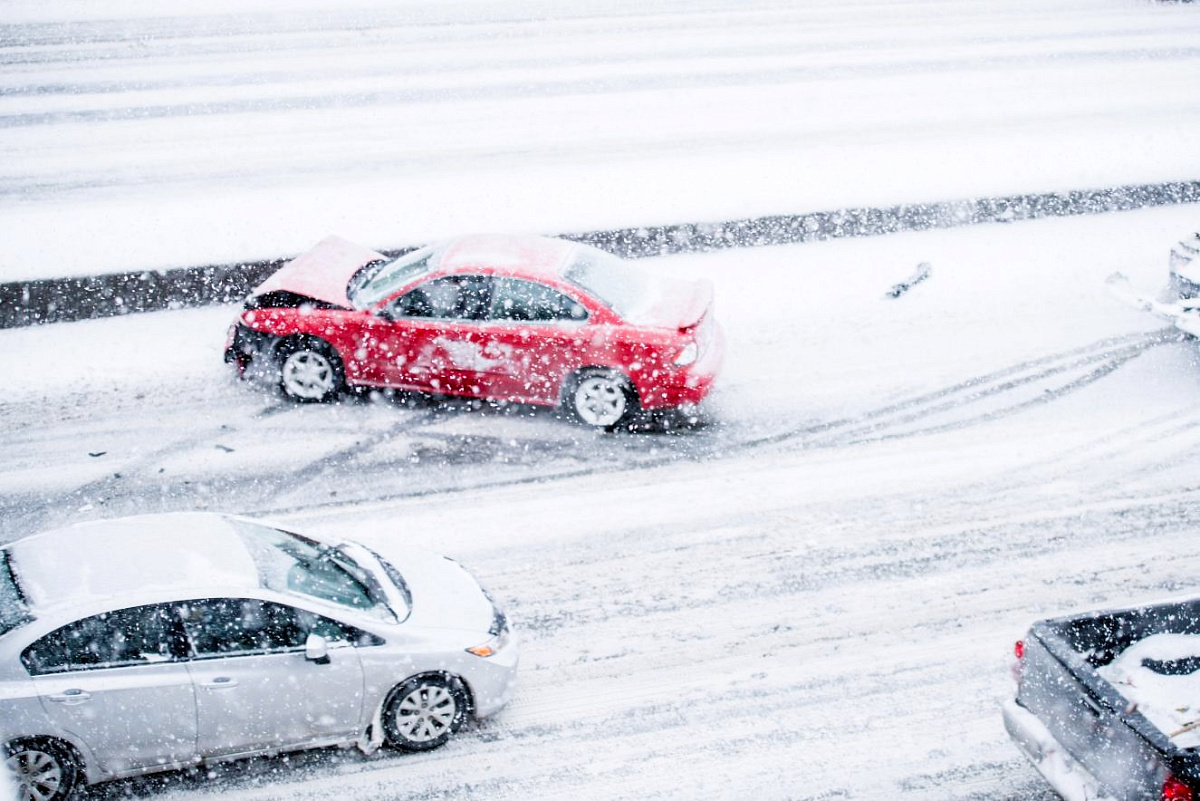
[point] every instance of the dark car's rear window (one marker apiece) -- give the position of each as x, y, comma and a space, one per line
13, 611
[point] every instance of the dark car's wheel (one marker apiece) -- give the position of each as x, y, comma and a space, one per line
424, 712
601, 398
310, 371
43, 769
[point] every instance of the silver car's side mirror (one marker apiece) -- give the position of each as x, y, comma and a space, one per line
316, 649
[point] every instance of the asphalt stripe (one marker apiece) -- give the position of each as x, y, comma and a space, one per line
64, 299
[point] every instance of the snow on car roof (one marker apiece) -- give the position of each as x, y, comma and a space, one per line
524, 253
124, 556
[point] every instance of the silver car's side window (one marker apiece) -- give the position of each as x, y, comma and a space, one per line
231, 626
136, 636
244, 626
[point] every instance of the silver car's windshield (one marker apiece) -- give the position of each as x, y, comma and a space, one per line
13, 611
379, 282
288, 562
625, 288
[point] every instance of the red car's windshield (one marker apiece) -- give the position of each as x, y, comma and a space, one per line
373, 285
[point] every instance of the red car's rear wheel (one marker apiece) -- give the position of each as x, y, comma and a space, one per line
601, 398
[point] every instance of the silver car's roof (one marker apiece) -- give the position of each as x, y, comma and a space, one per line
107, 559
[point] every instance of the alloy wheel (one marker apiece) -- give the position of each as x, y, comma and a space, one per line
426, 713
600, 401
39, 776
308, 374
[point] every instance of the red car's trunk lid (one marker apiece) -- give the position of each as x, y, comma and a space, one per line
322, 273
676, 304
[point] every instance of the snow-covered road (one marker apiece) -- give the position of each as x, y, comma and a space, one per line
812, 594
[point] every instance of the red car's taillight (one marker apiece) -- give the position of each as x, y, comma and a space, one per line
687, 355
1175, 790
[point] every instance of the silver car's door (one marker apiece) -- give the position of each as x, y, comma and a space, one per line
256, 690
119, 682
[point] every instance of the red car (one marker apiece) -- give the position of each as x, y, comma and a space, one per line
508, 318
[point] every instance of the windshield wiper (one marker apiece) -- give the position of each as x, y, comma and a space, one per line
362, 275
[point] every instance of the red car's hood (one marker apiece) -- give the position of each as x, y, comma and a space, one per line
676, 304
322, 273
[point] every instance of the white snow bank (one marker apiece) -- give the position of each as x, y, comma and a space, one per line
217, 137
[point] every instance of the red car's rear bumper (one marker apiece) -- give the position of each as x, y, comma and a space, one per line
685, 385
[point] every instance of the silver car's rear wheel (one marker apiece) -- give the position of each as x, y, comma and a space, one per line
424, 712
43, 771
310, 372
601, 398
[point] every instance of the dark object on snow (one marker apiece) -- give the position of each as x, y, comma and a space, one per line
1173, 667
1079, 731
1183, 282
923, 271
94, 454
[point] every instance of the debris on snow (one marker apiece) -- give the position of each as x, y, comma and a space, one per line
1183, 314
923, 271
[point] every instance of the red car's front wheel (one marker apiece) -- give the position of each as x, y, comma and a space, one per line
310, 371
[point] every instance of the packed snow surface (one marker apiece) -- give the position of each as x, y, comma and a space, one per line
886, 493
811, 591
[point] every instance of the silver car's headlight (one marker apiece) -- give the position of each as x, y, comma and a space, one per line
492, 647
500, 636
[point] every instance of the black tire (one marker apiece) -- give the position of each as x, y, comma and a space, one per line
600, 398
44, 769
424, 712
310, 370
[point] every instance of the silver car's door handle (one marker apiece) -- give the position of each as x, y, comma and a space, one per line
71, 697
220, 683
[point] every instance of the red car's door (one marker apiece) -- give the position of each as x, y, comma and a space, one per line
432, 339
534, 336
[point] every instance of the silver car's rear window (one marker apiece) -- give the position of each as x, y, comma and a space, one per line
13, 611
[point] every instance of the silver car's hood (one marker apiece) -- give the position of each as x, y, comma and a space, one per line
444, 594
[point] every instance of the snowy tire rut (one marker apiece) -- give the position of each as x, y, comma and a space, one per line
284, 457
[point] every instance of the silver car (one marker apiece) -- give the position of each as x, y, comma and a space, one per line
164, 641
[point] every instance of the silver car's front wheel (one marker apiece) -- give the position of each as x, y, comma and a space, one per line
424, 712
310, 372
601, 398
43, 772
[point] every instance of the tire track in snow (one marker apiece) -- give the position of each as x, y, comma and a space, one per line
812, 698
626, 452
29, 513
1107, 355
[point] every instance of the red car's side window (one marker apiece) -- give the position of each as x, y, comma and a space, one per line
456, 297
519, 300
